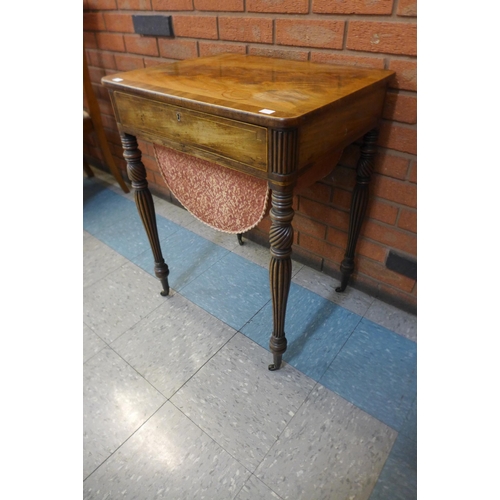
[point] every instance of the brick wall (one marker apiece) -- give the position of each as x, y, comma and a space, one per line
368, 33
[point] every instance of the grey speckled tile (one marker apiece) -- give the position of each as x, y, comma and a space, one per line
92, 344
238, 402
116, 402
98, 260
256, 490
172, 343
172, 212
330, 450
226, 240
323, 285
115, 303
393, 319
169, 458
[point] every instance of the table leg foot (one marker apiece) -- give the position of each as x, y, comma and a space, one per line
240, 238
346, 268
277, 362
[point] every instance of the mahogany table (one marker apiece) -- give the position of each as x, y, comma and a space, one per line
279, 120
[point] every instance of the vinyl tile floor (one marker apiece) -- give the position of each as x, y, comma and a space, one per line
178, 401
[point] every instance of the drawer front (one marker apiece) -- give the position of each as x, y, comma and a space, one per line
238, 141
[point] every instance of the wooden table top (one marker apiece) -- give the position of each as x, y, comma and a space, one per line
265, 91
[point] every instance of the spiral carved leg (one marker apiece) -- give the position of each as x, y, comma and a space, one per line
280, 268
359, 203
145, 205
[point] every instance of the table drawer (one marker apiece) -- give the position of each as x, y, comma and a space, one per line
242, 142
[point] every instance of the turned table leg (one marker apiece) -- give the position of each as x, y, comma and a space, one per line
280, 268
145, 206
359, 203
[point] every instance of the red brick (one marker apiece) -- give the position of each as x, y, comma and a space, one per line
177, 49
213, 48
383, 212
109, 122
413, 172
101, 59
407, 8
342, 199
347, 59
344, 177
134, 4
89, 40
308, 226
389, 189
392, 237
408, 220
246, 29
101, 4
324, 213
150, 61
150, 163
401, 108
337, 238
352, 6
406, 74
320, 247
220, 5
119, 22
96, 74
93, 21
297, 55
279, 6
380, 273
265, 225
172, 5
196, 26
397, 137
128, 62
310, 33
391, 165
110, 41
317, 192
384, 37
144, 45
371, 250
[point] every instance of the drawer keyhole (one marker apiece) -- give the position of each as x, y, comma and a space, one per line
178, 117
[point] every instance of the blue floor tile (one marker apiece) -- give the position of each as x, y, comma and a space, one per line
315, 328
103, 208
186, 254
376, 370
409, 427
233, 290
398, 479
128, 236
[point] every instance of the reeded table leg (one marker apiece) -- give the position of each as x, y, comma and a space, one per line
145, 205
359, 203
280, 268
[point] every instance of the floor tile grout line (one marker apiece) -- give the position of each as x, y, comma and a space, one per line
252, 474
133, 433
286, 426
